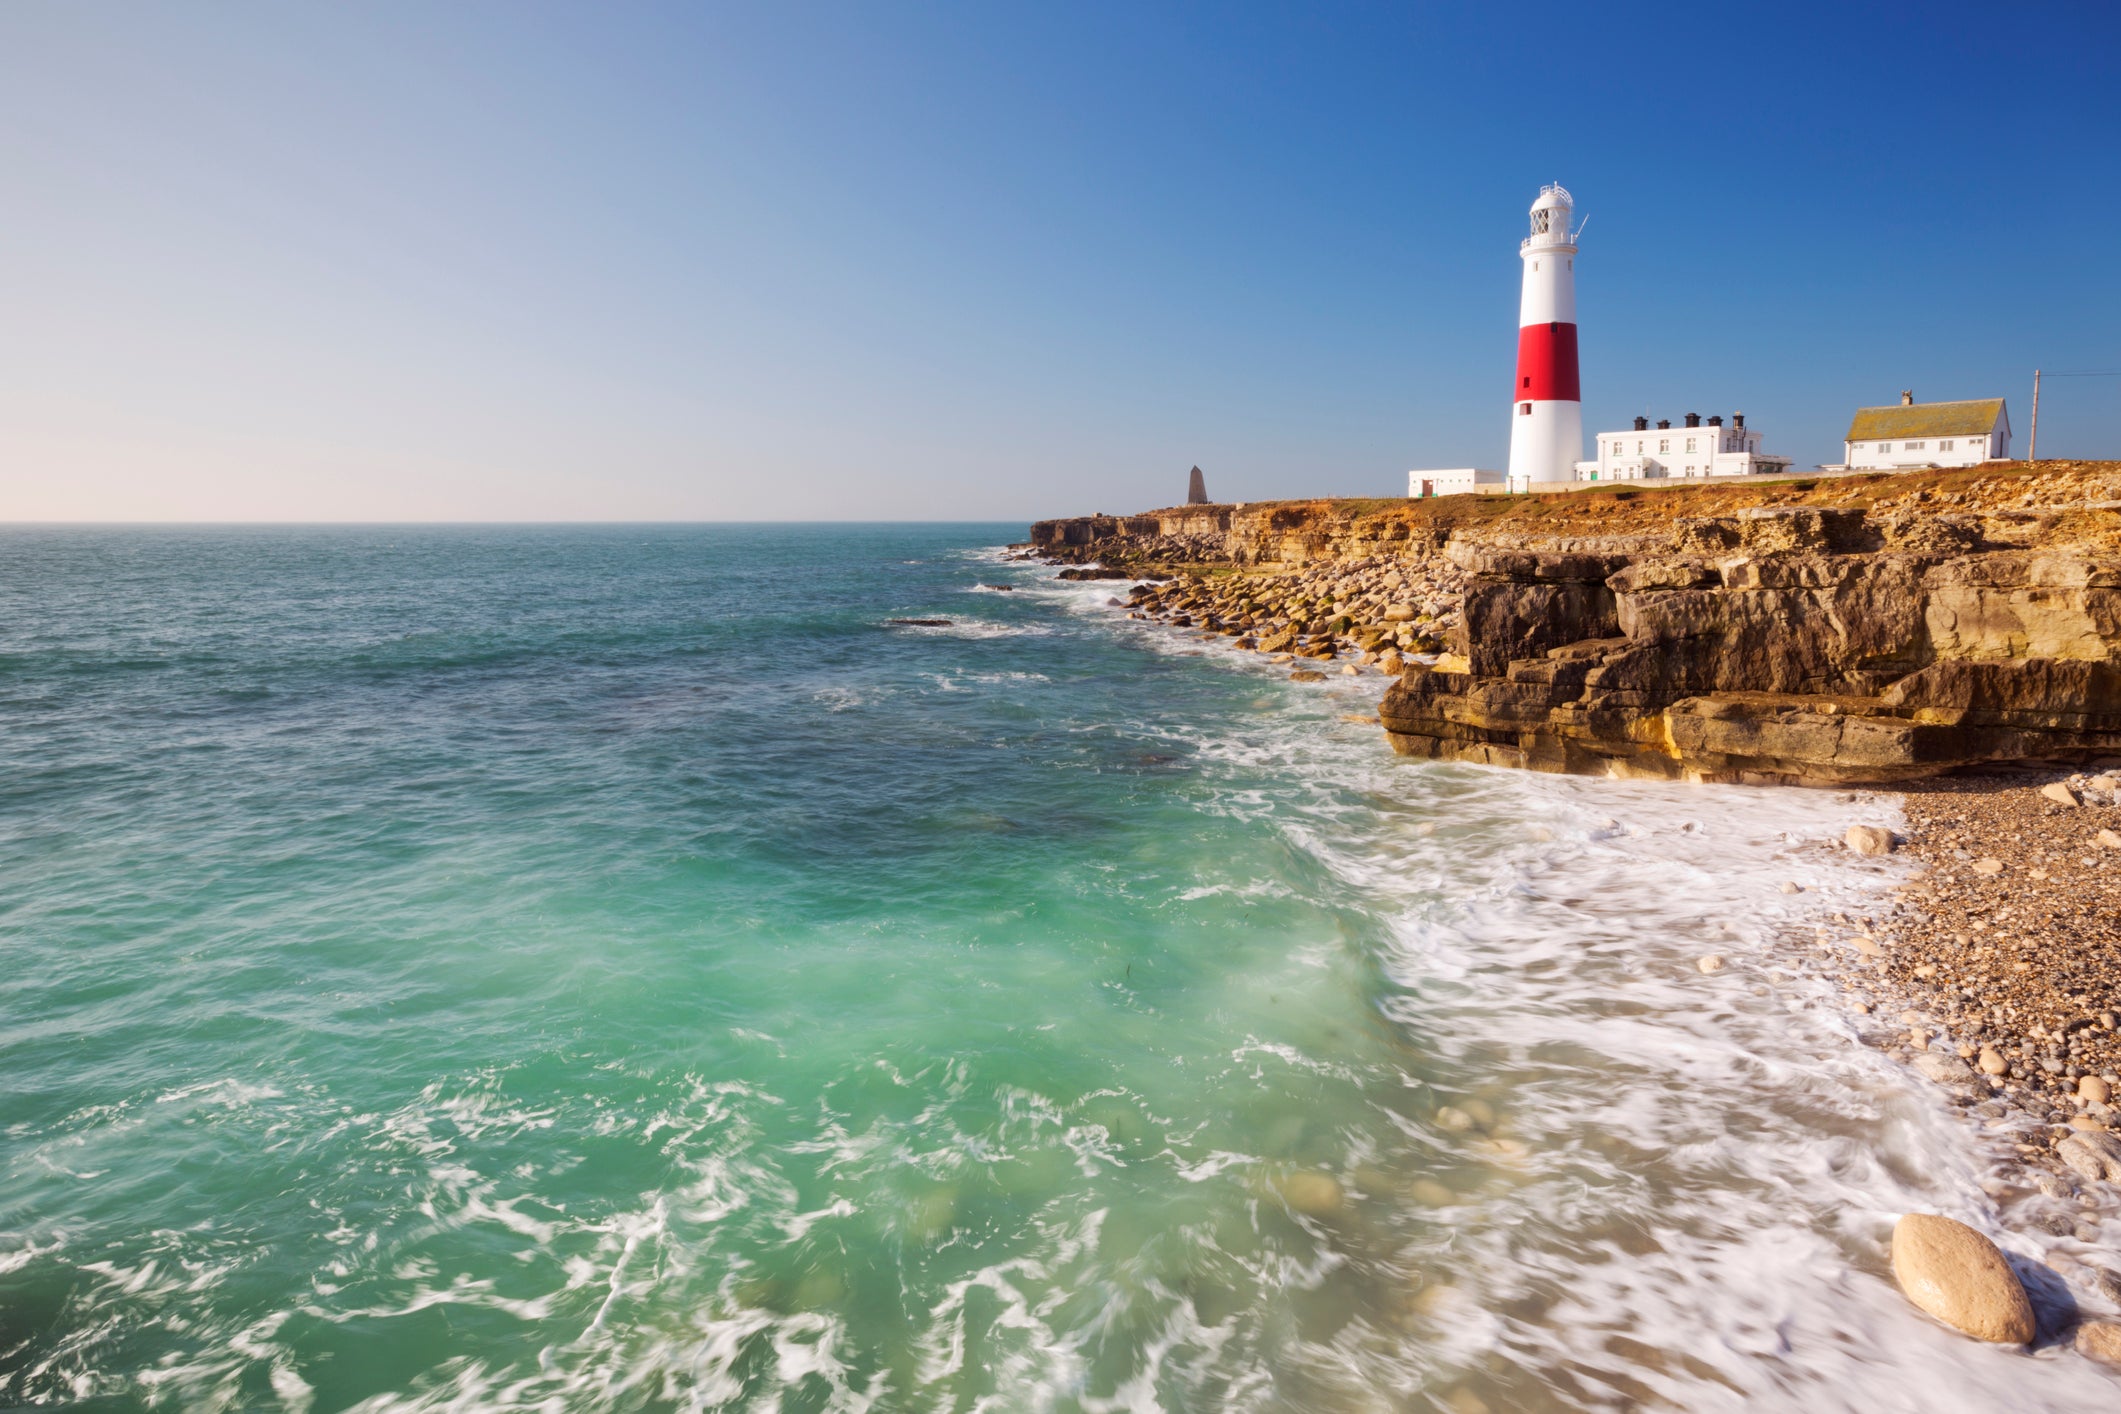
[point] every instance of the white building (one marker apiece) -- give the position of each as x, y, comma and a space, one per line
1928, 434
1452, 481
1646, 453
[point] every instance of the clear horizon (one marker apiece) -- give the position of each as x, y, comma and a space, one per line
532, 264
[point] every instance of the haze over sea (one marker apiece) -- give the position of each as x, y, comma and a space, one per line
610, 968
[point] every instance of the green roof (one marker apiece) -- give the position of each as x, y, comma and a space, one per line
1969, 419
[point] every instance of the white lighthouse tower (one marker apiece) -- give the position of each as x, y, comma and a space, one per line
1546, 417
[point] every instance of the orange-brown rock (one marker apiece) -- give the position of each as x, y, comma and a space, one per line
1865, 629
1957, 1275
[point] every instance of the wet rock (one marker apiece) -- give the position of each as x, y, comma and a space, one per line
1456, 1120
2094, 1153
919, 623
1316, 1195
1944, 1069
1430, 1193
1711, 963
1868, 839
2100, 1341
1307, 675
1992, 1063
1958, 1276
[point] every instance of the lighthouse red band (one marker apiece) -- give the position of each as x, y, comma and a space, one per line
1546, 406
1546, 363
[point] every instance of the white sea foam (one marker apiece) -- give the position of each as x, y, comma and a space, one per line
1550, 1164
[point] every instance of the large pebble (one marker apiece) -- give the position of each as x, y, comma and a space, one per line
1317, 1194
1957, 1275
2093, 1153
2101, 1341
2059, 793
1943, 1069
1868, 839
2094, 1090
1456, 1120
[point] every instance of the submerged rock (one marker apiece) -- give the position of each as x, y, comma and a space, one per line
1316, 1195
2101, 1341
1955, 1274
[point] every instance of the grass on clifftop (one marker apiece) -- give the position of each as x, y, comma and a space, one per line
1624, 506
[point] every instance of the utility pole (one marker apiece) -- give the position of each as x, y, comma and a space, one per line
2032, 451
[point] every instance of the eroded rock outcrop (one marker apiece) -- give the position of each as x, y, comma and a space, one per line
1854, 630
1776, 645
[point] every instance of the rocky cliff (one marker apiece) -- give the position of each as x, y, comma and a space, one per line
1845, 630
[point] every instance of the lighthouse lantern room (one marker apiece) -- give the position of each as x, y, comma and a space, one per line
1546, 416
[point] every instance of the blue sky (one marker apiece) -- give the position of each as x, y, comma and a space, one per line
788, 261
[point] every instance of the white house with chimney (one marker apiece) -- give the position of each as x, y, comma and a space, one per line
1916, 434
1696, 449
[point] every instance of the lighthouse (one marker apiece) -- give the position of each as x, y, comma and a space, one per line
1546, 417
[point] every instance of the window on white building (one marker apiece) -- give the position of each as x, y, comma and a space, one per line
1914, 446
1884, 447
1690, 444
1523, 409
1945, 445
1664, 444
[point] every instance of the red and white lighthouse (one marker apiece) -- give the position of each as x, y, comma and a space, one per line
1546, 419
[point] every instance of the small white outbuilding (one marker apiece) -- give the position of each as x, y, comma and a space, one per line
1452, 481
1916, 434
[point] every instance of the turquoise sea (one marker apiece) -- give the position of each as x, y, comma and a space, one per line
612, 968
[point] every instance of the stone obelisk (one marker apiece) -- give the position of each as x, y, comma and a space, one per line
1197, 489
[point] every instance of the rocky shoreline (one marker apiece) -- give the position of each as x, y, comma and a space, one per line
1955, 637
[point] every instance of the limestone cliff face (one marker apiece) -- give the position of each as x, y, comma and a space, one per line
1792, 644
1861, 630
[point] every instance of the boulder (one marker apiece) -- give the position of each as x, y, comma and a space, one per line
2059, 793
1960, 1277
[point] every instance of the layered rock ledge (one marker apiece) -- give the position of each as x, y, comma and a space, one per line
1861, 630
